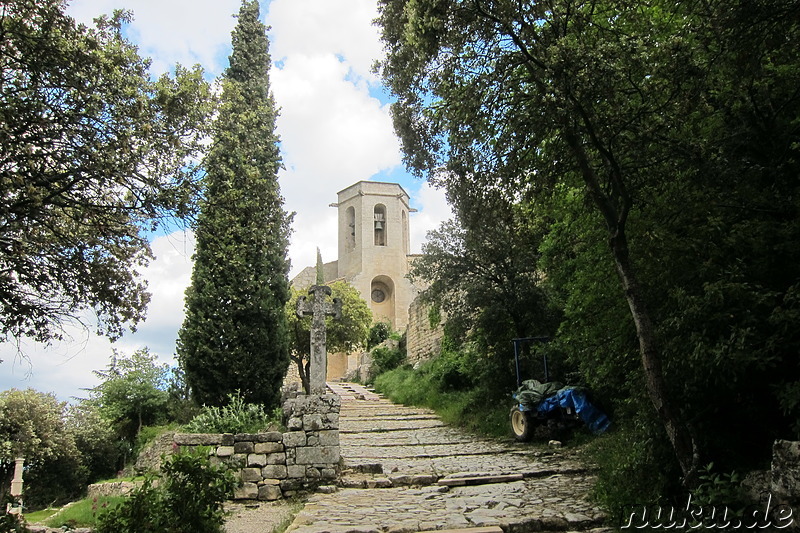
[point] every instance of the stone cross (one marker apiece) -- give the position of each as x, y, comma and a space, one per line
319, 309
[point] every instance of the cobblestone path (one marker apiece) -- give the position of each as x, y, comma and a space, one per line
406, 471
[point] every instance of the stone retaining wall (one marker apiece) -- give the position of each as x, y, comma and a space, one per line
422, 341
273, 464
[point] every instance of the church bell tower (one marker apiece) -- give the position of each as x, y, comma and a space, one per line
374, 247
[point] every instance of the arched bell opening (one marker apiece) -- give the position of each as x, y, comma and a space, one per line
379, 215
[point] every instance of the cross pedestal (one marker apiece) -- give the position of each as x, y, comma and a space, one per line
16, 487
319, 309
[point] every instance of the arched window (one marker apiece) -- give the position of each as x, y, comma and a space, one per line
382, 300
380, 225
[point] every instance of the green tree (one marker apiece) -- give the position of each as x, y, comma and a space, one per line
559, 91
346, 334
93, 154
648, 130
32, 426
132, 392
378, 332
96, 440
235, 336
482, 270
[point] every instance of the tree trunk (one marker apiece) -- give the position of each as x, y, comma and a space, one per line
615, 215
678, 433
302, 371
305, 376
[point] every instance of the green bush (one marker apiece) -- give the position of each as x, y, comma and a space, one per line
188, 499
718, 489
10, 523
235, 417
385, 359
379, 332
635, 467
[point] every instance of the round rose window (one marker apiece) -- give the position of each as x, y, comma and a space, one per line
378, 295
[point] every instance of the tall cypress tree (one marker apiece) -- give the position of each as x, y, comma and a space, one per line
235, 336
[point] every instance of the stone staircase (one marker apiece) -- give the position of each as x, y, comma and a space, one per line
405, 471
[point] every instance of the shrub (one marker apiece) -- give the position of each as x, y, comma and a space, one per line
379, 332
235, 417
385, 359
10, 523
718, 489
635, 467
477, 410
188, 499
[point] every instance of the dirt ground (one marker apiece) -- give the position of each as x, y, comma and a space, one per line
258, 517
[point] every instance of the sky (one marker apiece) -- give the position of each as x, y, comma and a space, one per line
335, 130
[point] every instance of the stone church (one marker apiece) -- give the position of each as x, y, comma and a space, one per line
374, 257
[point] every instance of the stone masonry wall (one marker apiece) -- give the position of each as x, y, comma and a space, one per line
422, 341
273, 464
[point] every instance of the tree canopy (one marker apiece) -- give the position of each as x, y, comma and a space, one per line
235, 336
132, 392
658, 144
482, 270
345, 334
93, 154
32, 426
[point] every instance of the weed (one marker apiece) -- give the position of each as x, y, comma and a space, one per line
235, 417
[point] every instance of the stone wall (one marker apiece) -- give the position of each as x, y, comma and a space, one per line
273, 465
422, 341
785, 472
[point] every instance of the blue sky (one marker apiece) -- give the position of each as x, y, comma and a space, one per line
335, 130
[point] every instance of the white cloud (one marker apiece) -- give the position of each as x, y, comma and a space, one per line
333, 132
326, 27
170, 31
168, 276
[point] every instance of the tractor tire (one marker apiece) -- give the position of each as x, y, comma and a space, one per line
521, 424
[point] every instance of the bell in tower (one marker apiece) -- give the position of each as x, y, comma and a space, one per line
380, 225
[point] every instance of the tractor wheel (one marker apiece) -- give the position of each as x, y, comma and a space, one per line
521, 425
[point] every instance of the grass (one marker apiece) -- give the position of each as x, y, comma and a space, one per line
296, 507
116, 479
472, 409
37, 517
82, 513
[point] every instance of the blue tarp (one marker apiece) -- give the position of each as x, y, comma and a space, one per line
594, 419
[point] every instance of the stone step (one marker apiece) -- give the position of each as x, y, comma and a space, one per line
399, 452
359, 472
348, 428
498, 529
459, 481
388, 417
